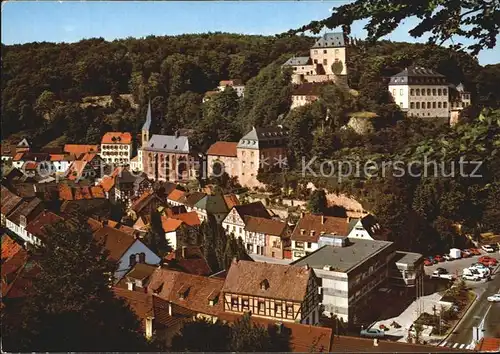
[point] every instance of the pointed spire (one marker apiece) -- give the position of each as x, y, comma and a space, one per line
147, 123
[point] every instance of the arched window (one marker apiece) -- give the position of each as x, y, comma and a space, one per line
132, 260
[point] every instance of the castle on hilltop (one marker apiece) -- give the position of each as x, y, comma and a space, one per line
326, 61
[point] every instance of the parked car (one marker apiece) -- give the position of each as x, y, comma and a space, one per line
488, 248
448, 258
372, 333
478, 265
432, 259
465, 254
475, 251
494, 298
488, 261
472, 277
439, 258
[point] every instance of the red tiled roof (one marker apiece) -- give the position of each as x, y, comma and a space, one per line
9, 247
190, 218
75, 169
277, 275
319, 224
80, 149
97, 192
107, 183
65, 192
256, 209
115, 241
169, 224
37, 225
303, 338
30, 165
231, 82
197, 290
57, 157
116, 138
265, 226
9, 200
140, 203
192, 262
176, 195
488, 344
231, 200
222, 148
18, 156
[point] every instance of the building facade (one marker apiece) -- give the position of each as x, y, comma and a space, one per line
222, 157
235, 84
421, 92
116, 148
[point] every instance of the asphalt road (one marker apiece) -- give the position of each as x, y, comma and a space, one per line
480, 310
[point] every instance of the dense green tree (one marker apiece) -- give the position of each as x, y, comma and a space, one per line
155, 236
202, 336
70, 305
317, 202
443, 20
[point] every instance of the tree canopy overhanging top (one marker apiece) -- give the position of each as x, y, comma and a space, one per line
477, 20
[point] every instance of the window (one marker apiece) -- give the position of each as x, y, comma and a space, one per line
315, 61
445, 92
401, 104
417, 92
262, 307
277, 309
423, 105
434, 92
439, 104
445, 104
412, 105
412, 92
325, 62
394, 92
234, 303
309, 245
324, 51
289, 310
418, 105
245, 305
428, 92
401, 92
433, 104
299, 244
439, 92
315, 51
423, 92
428, 105
336, 52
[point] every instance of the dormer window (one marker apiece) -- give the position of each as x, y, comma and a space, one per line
264, 285
183, 292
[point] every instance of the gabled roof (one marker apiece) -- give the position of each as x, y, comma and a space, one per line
168, 143
80, 149
488, 344
231, 82
330, 40
212, 204
141, 271
115, 241
116, 138
190, 199
231, 200
297, 61
256, 209
284, 282
265, 226
318, 224
10, 201
192, 262
25, 209
37, 225
169, 224
144, 200
190, 219
196, 290
223, 148
418, 71
176, 195
9, 247
255, 138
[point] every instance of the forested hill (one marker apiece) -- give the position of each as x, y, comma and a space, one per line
42, 83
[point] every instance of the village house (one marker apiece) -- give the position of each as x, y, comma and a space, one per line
35, 230
460, 98
222, 157
189, 200
19, 218
61, 162
10, 202
116, 148
124, 187
179, 229
235, 84
306, 93
144, 205
266, 237
351, 271
80, 149
421, 92
125, 250
231, 200
274, 291
175, 197
201, 295
260, 148
367, 228
326, 61
188, 259
310, 227
211, 205
234, 222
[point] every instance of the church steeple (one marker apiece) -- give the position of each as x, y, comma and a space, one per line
146, 126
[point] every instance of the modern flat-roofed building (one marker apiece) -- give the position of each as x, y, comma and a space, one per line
350, 271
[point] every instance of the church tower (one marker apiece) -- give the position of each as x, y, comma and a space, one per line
144, 138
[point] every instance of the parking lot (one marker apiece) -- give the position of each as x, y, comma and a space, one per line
456, 266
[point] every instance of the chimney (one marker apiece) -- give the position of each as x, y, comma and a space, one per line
104, 222
302, 214
183, 252
306, 267
170, 309
177, 133
302, 231
130, 286
375, 342
312, 232
322, 219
